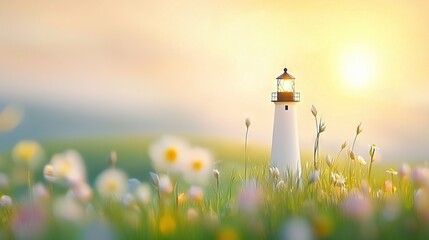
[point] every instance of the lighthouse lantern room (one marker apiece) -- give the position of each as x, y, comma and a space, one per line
285, 153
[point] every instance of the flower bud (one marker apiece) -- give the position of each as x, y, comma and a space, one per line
344, 145
216, 174
247, 122
359, 128
313, 110
329, 160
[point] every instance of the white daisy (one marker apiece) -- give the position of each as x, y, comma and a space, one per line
112, 182
67, 167
198, 167
168, 154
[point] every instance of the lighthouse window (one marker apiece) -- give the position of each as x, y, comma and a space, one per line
286, 107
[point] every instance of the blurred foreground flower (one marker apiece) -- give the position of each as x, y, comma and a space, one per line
165, 185
67, 208
314, 177
29, 222
143, 193
10, 118
296, 229
356, 206
168, 155
112, 182
198, 168
338, 179
5, 201
67, 167
28, 152
196, 193
421, 203
167, 224
250, 197
404, 171
361, 160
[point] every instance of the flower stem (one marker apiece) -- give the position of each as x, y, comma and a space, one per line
30, 193
245, 155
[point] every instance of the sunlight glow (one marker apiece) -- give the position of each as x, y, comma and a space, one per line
357, 68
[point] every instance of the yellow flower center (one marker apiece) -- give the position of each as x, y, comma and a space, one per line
197, 165
112, 186
65, 168
171, 155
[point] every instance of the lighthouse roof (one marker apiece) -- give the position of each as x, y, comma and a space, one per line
285, 75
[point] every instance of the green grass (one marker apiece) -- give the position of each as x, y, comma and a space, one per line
319, 203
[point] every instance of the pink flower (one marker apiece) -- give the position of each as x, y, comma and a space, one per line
250, 197
356, 206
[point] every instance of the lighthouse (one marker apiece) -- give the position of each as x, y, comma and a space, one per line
285, 153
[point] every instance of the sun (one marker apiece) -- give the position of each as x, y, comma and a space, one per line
357, 67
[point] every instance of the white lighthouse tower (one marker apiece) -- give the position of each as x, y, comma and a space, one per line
285, 154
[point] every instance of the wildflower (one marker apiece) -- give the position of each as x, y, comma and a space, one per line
196, 193
155, 179
404, 171
372, 149
247, 122
29, 153
10, 117
69, 209
127, 200
250, 197
329, 160
421, 177
168, 155
133, 184
421, 203
338, 179
82, 191
29, 222
359, 128
167, 225
280, 185
143, 193
228, 233
313, 110
322, 126
49, 173
391, 171
296, 228
111, 183
388, 187
192, 214
67, 167
361, 160
275, 172
165, 185
199, 166
181, 198
314, 177
216, 174
5, 201
356, 206
352, 155
322, 226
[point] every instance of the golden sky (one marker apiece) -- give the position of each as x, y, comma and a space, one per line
216, 63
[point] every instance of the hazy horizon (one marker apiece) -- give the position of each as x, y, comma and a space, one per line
202, 68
